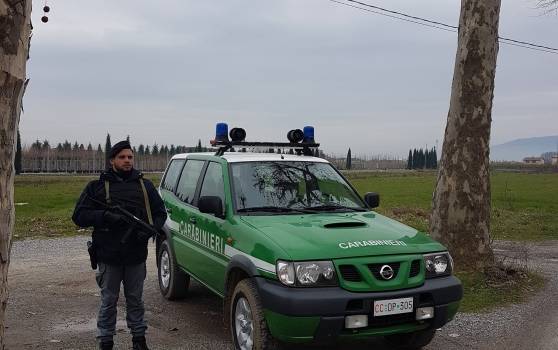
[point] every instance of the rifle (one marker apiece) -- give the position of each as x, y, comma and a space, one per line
133, 221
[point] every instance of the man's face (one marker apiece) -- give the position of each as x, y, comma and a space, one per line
124, 160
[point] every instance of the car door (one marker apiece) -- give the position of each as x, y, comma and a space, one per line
184, 218
212, 261
167, 192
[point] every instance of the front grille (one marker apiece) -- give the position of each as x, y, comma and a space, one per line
375, 269
415, 268
350, 273
386, 321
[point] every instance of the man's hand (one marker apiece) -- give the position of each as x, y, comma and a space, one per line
113, 219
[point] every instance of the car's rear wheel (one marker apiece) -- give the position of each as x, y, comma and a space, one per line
247, 323
411, 341
173, 282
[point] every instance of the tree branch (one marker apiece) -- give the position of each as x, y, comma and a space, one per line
548, 5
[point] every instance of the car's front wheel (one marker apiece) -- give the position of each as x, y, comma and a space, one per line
173, 282
247, 322
411, 341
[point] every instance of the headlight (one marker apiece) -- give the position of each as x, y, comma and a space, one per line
285, 272
307, 273
438, 264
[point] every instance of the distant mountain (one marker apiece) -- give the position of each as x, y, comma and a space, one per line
521, 148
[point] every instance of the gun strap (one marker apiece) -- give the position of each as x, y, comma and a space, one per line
107, 193
147, 205
145, 197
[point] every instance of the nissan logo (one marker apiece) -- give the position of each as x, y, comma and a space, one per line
386, 272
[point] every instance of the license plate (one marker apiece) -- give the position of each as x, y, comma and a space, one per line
393, 306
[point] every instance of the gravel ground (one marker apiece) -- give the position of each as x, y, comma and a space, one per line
54, 300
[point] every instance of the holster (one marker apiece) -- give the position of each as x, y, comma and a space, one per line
92, 254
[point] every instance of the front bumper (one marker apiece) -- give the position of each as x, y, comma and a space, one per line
306, 314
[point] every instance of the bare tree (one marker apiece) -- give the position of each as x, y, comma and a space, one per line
15, 30
548, 5
461, 201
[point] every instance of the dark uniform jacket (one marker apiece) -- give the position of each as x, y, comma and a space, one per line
127, 193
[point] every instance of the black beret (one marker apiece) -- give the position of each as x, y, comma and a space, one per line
119, 147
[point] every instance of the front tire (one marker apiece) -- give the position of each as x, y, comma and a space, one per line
411, 341
173, 282
247, 322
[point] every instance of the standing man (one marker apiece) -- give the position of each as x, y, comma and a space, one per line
120, 260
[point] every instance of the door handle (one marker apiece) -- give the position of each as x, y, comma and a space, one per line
192, 220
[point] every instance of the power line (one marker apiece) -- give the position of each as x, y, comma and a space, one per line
437, 25
403, 14
391, 16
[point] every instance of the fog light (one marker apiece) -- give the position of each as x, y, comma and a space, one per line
356, 321
424, 313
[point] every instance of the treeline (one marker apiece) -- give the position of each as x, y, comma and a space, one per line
75, 157
422, 159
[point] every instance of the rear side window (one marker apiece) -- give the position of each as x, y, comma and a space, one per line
213, 182
172, 174
188, 180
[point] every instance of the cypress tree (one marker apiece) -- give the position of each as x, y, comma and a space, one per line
199, 146
67, 146
415, 158
108, 146
410, 160
349, 159
17, 164
428, 160
435, 159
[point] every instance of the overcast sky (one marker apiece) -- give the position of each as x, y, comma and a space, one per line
167, 71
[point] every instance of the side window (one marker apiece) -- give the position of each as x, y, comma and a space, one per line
172, 174
213, 182
188, 180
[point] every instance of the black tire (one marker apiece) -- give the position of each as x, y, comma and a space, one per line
173, 282
411, 341
262, 340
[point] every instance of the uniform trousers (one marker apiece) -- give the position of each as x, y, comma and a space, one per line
109, 278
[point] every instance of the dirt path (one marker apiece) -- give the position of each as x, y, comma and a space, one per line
54, 300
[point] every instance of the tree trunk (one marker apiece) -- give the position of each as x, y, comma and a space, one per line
461, 202
15, 30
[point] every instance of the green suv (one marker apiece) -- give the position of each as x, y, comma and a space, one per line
297, 255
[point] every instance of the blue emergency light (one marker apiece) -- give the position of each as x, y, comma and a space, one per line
222, 132
308, 134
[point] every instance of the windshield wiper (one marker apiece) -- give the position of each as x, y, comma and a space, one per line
328, 207
274, 209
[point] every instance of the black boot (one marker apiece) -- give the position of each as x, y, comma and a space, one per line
106, 345
139, 343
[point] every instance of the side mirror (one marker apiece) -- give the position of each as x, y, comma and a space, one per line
372, 199
211, 205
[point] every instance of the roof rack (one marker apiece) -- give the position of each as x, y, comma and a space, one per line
302, 148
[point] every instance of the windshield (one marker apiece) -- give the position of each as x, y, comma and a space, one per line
281, 186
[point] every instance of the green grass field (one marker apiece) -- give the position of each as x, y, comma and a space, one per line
524, 206
44, 204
